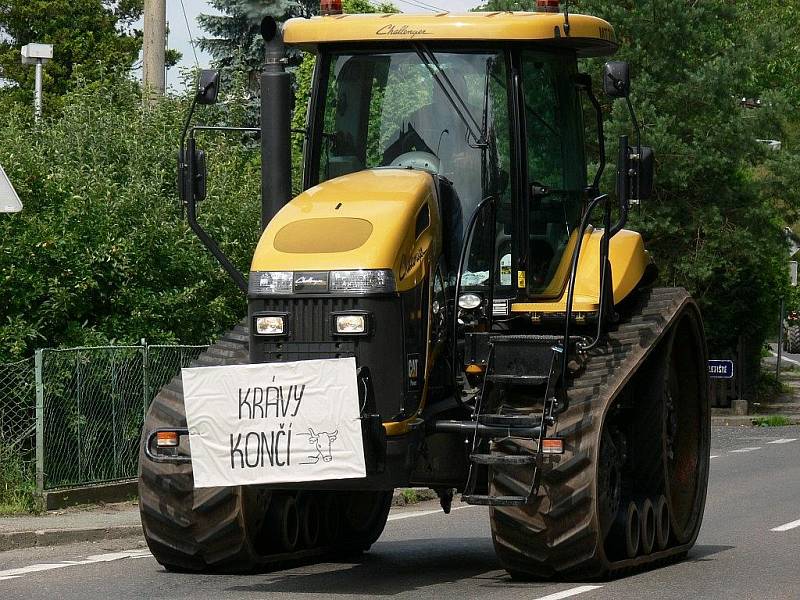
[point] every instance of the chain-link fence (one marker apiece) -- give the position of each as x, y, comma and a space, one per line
17, 435
73, 416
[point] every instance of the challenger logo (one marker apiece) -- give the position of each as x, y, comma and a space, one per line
311, 282
407, 263
403, 30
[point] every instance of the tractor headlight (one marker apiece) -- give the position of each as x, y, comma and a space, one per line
350, 324
469, 301
362, 281
271, 325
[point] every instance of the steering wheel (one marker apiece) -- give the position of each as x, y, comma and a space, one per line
417, 160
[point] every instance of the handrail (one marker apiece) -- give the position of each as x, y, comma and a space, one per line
461, 260
571, 288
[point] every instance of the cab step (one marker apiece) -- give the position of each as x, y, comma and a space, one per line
520, 380
497, 420
483, 500
503, 459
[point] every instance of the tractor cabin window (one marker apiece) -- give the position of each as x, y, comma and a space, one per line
386, 109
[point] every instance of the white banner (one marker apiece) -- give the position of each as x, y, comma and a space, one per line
274, 422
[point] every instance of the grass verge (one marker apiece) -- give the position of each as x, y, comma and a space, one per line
772, 421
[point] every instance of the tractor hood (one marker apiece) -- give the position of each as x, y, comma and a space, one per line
373, 219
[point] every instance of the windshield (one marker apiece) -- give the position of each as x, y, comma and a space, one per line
388, 109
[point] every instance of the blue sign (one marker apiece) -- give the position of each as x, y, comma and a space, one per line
720, 369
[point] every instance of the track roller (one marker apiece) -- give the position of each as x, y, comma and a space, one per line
647, 527
661, 513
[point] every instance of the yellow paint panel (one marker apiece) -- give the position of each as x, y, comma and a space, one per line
328, 234
591, 36
384, 203
628, 260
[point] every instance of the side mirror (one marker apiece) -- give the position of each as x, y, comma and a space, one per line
196, 188
207, 87
645, 167
616, 79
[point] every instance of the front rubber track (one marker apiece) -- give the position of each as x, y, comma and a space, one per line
223, 529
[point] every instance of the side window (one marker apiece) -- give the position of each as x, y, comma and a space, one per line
554, 141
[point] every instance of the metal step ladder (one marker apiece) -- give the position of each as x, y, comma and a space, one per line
497, 426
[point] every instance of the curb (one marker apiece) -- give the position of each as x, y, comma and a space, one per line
16, 540
746, 420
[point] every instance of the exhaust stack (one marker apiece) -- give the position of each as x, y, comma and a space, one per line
276, 165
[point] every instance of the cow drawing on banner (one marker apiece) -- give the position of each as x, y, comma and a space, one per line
321, 443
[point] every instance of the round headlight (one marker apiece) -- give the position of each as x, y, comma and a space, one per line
469, 301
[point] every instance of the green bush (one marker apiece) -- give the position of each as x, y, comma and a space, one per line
17, 483
101, 252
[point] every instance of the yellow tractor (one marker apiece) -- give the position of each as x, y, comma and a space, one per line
508, 341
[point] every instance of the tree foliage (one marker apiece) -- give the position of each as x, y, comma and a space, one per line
90, 39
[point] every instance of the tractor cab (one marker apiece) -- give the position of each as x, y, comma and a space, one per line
488, 118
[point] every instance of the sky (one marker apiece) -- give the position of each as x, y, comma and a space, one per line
179, 34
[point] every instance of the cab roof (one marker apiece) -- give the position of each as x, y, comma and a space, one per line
590, 36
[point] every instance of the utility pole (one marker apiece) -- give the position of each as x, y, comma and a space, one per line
154, 48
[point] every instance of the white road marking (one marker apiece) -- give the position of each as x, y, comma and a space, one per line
746, 449
783, 357
570, 592
97, 558
783, 441
422, 513
714, 456
787, 526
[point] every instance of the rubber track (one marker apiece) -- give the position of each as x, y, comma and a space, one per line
793, 339
188, 529
557, 534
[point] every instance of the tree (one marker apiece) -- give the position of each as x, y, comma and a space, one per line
236, 43
90, 37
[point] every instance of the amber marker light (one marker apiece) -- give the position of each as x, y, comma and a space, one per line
166, 439
552, 446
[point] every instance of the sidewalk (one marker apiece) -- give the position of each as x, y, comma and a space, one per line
83, 524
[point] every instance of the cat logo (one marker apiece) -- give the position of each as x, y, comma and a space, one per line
413, 370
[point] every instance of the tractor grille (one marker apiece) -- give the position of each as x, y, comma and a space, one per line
311, 336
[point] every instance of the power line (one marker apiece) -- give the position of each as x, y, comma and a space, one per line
423, 5
191, 39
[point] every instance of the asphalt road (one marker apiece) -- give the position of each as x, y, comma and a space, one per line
749, 547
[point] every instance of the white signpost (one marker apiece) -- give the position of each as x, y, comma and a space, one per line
274, 422
9, 201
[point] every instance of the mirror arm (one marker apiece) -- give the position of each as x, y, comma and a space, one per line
191, 217
601, 140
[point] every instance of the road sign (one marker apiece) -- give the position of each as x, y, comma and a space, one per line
793, 272
720, 369
9, 201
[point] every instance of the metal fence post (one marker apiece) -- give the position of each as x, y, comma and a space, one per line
114, 402
145, 380
39, 423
